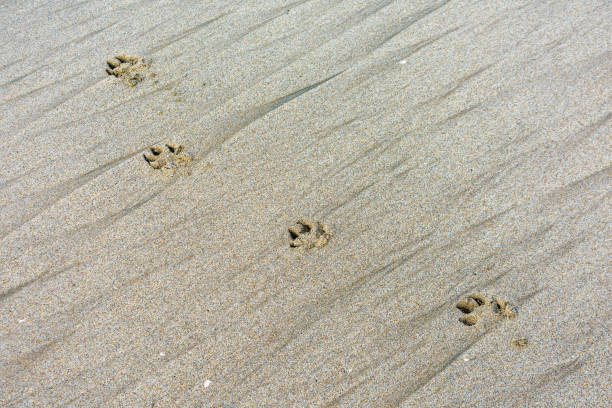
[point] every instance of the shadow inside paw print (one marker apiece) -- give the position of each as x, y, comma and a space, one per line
170, 157
478, 306
308, 234
129, 68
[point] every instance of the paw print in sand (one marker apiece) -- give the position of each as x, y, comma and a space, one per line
130, 68
478, 306
170, 156
309, 234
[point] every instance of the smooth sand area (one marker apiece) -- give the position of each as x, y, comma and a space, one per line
430, 149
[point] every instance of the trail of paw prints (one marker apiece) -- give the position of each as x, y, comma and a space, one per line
308, 234
478, 307
129, 68
168, 158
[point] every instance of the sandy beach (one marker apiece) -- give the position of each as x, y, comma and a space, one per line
306, 203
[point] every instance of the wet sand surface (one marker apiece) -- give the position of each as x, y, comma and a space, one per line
449, 147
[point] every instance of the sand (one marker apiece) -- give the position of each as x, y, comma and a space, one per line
450, 148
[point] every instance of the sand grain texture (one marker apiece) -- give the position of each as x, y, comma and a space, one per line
455, 147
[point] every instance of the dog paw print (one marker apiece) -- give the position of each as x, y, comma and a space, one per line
308, 234
170, 156
478, 306
130, 68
